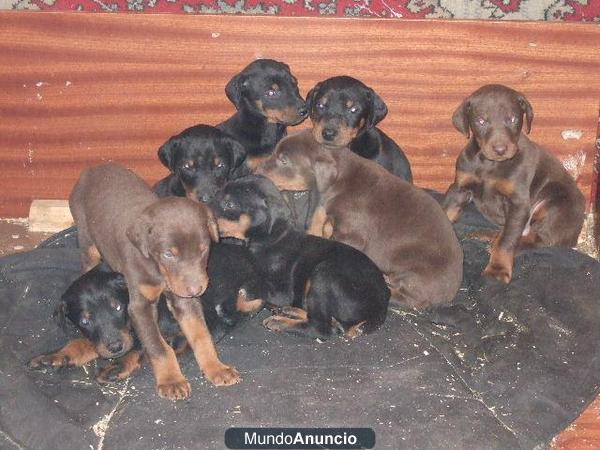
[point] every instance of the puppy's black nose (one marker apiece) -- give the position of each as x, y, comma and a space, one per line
114, 347
329, 134
500, 149
302, 111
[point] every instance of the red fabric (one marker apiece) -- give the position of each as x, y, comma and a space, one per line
569, 10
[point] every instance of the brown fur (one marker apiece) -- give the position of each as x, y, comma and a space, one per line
514, 183
135, 231
400, 227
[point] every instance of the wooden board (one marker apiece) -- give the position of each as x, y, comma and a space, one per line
77, 89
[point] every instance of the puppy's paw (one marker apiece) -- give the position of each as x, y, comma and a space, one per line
177, 389
53, 360
119, 370
274, 323
223, 375
499, 272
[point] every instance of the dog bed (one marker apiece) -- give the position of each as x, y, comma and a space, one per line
505, 366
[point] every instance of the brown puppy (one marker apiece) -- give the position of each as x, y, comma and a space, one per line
513, 182
159, 245
400, 227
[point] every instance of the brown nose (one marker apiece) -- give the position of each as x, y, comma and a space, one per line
500, 149
195, 291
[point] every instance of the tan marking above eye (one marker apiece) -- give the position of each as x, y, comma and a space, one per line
275, 86
349, 104
175, 251
218, 162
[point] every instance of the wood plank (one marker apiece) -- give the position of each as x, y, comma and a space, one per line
78, 89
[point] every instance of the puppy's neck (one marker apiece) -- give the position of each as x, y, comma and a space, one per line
366, 144
260, 136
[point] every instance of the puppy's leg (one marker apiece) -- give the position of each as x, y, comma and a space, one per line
122, 368
77, 352
247, 305
170, 382
318, 224
455, 200
188, 313
500, 265
90, 256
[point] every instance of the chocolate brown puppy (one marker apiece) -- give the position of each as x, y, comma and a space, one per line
400, 227
158, 245
514, 182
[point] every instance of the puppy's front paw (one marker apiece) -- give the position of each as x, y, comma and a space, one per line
177, 389
54, 360
119, 370
499, 272
223, 375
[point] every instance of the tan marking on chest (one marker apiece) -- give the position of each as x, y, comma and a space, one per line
151, 292
505, 186
466, 178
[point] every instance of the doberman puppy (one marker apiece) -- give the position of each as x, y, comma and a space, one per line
400, 227
158, 245
96, 304
266, 97
201, 159
344, 112
513, 182
319, 285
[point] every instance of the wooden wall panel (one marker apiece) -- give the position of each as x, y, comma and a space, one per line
77, 89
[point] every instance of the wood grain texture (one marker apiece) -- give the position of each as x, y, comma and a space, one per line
77, 89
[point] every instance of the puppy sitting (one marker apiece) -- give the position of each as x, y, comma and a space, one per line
266, 97
513, 182
344, 113
201, 160
319, 285
96, 304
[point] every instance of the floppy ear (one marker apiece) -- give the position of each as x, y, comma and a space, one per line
211, 222
325, 172
137, 233
234, 88
118, 282
311, 96
378, 110
460, 118
527, 110
60, 313
166, 151
238, 156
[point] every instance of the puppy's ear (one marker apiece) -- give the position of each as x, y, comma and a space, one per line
378, 110
211, 222
311, 97
166, 152
527, 110
460, 118
238, 156
234, 89
137, 233
60, 313
117, 281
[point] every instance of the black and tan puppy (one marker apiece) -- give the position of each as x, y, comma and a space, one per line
399, 226
344, 112
266, 96
158, 245
513, 182
201, 159
319, 285
96, 304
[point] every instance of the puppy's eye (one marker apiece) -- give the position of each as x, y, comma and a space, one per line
188, 165
220, 165
481, 121
228, 204
85, 322
168, 254
513, 119
283, 160
320, 105
354, 109
271, 93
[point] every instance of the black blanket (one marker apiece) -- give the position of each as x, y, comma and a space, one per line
503, 367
